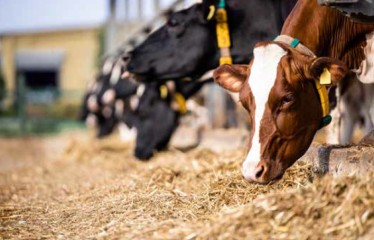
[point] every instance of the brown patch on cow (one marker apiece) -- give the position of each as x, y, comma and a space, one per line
327, 32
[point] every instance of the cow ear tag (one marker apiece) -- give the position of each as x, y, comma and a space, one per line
181, 101
163, 91
325, 78
212, 11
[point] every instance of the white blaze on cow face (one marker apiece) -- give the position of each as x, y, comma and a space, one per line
261, 80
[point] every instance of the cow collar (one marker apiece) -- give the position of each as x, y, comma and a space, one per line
319, 84
222, 31
178, 100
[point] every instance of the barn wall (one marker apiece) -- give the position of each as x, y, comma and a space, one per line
80, 49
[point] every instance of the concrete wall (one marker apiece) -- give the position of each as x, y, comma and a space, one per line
80, 49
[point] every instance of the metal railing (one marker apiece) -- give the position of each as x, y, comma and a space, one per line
25, 111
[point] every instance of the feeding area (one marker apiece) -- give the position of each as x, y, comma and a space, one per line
96, 189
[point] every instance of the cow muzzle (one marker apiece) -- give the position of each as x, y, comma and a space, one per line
261, 172
255, 173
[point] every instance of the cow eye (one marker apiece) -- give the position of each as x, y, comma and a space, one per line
173, 22
288, 99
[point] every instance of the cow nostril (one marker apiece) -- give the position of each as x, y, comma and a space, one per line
259, 172
126, 58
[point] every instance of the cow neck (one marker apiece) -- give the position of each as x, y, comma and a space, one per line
319, 84
326, 32
222, 31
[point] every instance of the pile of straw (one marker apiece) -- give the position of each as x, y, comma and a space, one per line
97, 190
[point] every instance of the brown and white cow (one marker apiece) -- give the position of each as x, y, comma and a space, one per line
278, 88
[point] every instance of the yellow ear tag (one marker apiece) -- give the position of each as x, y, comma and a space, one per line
212, 11
163, 91
325, 77
181, 101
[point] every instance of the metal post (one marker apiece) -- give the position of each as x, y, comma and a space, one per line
157, 6
216, 103
127, 10
140, 10
110, 33
21, 102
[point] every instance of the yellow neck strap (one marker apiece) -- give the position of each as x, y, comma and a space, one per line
223, 32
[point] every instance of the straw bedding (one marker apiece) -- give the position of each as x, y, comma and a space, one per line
97, 190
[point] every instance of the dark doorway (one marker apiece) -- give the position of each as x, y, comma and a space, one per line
39, 72
41, 85
39, 80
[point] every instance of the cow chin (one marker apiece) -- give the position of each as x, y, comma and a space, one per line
286, 154
144, 72
138, 67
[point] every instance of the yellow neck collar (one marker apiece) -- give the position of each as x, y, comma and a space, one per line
222, 31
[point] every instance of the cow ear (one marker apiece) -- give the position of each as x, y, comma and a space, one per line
327, 70
231, 77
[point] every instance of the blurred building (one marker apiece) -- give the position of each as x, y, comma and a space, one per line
56, 45
130, 21
63, 59
53, 45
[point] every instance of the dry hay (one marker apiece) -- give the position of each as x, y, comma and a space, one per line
97, 190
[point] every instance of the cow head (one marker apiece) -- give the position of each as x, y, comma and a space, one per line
278, 90
156, 120
158, 111
98, 116
187, 44
184, 46
100, 105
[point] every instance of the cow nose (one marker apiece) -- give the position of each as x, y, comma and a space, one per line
254, 174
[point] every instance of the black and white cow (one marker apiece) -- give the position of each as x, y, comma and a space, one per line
159, 108
106, 102
186, 46
153, 108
